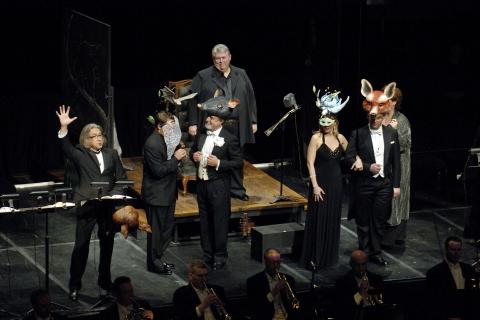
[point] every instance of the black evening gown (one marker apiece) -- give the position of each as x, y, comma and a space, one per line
322, 224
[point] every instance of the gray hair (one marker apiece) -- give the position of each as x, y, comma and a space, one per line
220, 48
83, 139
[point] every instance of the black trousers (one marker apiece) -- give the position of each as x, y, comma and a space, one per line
213, 198
237, 188
373, 201
88, 215
161, 219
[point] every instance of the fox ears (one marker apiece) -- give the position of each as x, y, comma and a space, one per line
367, 90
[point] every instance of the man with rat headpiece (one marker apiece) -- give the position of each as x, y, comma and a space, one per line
379, 179
216, 154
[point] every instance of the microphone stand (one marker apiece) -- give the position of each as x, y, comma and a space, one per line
268, 132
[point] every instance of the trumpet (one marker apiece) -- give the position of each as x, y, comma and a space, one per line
219, 304
136, 313
374, 297
292, 299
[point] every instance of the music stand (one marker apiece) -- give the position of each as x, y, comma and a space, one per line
40, 196
125, 184
101, 185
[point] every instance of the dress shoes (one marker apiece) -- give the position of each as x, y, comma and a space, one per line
160, 270
169, 266
218, 265
73, 295
378, 260
243, 197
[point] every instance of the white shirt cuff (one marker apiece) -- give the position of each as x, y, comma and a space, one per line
62, 134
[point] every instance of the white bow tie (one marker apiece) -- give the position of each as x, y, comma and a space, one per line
210, 133
379, 132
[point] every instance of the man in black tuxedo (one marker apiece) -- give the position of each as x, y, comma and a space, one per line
196, 300
216, 154
159, 188
125, 304
449, 285
267, 293
233, 83
352, 290
378, 147
94, 163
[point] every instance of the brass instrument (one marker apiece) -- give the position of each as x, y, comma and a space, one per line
294, 303
219, 304
374, 298
136, 313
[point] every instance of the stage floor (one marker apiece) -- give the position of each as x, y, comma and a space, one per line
22, 259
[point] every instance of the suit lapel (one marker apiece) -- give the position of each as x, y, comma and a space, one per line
217, 150
234, 79
94, 159
201, 141
386, 142
369, 143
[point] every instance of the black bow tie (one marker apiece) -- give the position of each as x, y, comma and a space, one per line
95, 152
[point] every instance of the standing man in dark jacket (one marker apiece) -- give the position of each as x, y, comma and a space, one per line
379, 179
233, 83
159, 187
94, 163
216, 154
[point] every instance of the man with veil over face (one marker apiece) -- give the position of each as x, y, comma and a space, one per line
159, 188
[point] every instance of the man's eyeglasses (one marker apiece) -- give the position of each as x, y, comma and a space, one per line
95, 136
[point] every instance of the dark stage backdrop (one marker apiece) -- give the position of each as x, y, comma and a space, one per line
285, 47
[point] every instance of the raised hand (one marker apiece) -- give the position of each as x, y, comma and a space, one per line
64, 117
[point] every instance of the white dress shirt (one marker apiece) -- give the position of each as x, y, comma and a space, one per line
378, 149
279, 309
206, 152
207, 313
456, 271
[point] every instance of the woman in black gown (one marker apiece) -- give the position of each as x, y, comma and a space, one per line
322, 225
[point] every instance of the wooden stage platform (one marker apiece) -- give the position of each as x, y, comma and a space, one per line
260, 187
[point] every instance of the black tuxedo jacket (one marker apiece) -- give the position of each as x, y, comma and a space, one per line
257, 290
206, 82
345, 288
159, 186
88, 170
229, 154
361, 144
185, 300
445, 300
